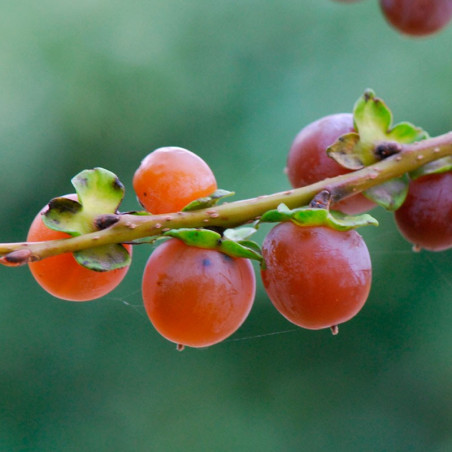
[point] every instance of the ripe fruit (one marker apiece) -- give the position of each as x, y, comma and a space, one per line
62, 276
170, 178
308, 161
425, 218
417, 17
316, 277
196, 297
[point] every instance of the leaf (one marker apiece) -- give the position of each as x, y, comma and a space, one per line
371, 116
239, 234
391, 194
240, 249
63, 215
341, 222
346, 151
208, 201
282, 213
103, 258
201, 238
373, 123
405, 132
309, 217
435, 167
251, 245
207, 239
99, 192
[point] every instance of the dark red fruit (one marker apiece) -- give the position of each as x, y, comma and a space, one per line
308, 161
425, 218
316, 277
417, 17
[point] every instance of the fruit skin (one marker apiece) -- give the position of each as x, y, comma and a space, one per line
62, 276
417, 17
196, 297
316, 277
425, 218
169, 178
308, 161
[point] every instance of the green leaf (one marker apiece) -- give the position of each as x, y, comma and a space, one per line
309, 216
63, 215
103, 258
208, 201
282, 213
341, 222
99, 191
239, 249
391, 194
405, 132
344, 151
207, 239
437, 166
201, 238
371, 116
239, 234
251, 245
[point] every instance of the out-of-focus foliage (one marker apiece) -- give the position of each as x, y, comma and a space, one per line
101, 83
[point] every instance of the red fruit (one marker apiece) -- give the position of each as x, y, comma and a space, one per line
170, 178
417, 17
62, 276
316, 277
425, 218
308, 161
196, 297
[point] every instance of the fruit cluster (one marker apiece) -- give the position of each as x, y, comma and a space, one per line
199, 284
416, 17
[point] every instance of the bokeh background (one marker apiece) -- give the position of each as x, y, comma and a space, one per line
101, 83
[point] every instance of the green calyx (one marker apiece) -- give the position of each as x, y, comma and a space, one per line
99, 192
313, 216
391, 194
376, 139
436, 167
233, 242
208, 201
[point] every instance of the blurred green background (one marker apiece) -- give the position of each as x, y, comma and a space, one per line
102, 83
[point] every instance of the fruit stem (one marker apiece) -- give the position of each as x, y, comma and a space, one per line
129, 227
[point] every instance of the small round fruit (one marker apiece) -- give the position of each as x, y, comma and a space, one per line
316, 277
196, 297
169, 178
417, 17
62, 276
425, 218
308, 161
